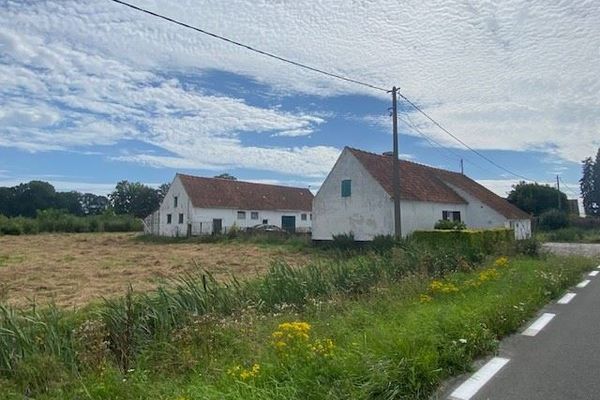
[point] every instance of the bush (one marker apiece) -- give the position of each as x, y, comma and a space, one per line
344, 242
553, 219
529, 247
471, 243
445, 224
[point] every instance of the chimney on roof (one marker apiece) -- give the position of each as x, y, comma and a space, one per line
388, 153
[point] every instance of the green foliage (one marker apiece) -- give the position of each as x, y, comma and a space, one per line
343, 242
59, 221
553, 219
571, 235
534, 198
445, 224
590, 185
134, 198
226, 176
473, 244
528, 247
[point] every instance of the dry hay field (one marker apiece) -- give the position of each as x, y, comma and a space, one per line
72, 270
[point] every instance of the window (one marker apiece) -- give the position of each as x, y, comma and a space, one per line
311, 216
451, 215
241, 215
346, 188
168, 218
254, 215
181, 218
175, 201
265, 221
303, 217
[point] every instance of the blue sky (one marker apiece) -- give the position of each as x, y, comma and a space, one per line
95, 93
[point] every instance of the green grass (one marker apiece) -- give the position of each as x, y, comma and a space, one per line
390, 341
570, 235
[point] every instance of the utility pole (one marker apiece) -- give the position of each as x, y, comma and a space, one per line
462, 167
396, 167
558, 188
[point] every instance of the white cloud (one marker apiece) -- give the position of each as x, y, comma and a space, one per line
515, 76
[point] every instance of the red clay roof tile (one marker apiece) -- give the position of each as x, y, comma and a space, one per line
225, 193
422, 183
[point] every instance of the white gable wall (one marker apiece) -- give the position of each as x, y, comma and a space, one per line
366, 213
478, 214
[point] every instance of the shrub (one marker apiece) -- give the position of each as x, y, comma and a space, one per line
553, 219
445, 224
382, 243
529, 247
344, 242
472, 244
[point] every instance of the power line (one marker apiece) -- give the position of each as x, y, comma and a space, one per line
317, 70
459, 140
247, 47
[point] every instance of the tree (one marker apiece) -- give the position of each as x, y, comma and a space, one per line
70, 202
134, 198
226, 176
92, 204
33, 196
590, 185
162, 191
536, 199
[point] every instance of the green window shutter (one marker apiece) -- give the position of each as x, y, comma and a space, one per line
346, 188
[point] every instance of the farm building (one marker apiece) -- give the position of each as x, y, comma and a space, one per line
199, 206
357, 197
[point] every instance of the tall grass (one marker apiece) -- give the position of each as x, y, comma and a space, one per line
57, 221
40, 348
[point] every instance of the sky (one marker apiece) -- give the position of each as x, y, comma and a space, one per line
92, 93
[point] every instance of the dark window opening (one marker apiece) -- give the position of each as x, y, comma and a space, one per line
303, 217
168, 218
181, 218
451, 216
346, 188
265, 221
241, 215
175, 201
254, 215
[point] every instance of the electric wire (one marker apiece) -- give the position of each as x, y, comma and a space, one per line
320, 71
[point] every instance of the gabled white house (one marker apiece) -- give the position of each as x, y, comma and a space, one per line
357, 197
199, 206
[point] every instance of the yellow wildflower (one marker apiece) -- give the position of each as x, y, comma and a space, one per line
501, 262
425, 298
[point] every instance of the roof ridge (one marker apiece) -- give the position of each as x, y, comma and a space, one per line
403, 160
241, 181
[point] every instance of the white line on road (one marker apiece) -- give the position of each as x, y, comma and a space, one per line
478, 379
539, 324
594, 273
583, 284
566, 298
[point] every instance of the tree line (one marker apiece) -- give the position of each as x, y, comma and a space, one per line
131, 198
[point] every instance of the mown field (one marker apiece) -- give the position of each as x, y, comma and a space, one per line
72, 270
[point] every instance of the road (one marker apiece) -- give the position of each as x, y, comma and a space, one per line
556, 356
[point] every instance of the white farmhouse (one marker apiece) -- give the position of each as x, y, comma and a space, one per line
357, 197
199, 206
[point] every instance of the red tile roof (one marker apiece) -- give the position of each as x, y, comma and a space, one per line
422, 183
225, 193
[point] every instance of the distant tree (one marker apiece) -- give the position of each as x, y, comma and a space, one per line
226, 176
134, 198
536, 199
92, 204
70, 202
590, 185
162, 191
33, 196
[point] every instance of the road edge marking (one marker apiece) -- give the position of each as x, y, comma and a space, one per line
476, 381
594, 273
583, 283
566, 298
539, 324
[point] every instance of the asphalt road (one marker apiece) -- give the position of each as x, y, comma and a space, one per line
561, 362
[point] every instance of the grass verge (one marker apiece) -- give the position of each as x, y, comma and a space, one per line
348, 330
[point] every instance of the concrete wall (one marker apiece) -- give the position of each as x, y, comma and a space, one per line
422, 215
201, 219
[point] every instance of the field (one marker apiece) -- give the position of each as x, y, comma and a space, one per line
75, 269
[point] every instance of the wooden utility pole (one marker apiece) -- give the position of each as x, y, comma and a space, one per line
396, 166
462, 167
558, 188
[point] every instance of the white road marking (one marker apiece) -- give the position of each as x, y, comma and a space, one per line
478, 379
566, 298
594, 273
583, 284
539, 324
